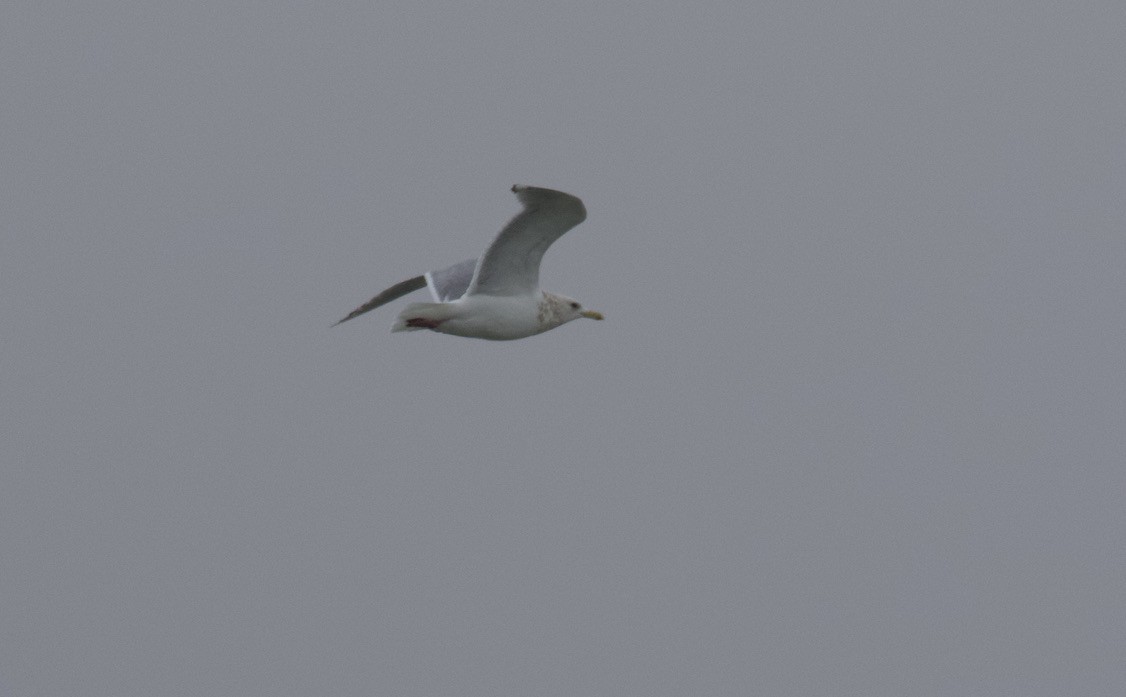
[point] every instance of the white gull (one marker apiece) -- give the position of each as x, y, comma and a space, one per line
497, 296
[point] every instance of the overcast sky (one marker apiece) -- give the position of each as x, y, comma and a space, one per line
853, 424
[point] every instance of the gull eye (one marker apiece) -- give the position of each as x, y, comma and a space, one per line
574, 306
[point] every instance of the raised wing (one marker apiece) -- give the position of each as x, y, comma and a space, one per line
511, 264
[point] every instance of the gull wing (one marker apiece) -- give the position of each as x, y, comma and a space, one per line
511, 264
450, 283
393, 293
445, 285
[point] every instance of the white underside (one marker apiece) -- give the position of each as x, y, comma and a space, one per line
498, 318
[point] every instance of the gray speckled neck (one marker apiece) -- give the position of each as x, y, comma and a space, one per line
552, 310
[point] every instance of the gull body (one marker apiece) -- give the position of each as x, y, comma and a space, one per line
496, 317
497, 296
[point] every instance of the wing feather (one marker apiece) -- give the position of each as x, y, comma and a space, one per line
511, 264
393, 293
450, 283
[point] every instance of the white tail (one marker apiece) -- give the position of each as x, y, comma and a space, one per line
422, 316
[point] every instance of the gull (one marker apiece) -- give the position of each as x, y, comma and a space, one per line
497, 296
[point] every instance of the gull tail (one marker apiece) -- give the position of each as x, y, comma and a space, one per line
423, 316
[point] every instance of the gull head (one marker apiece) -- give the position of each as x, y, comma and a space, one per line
559, 309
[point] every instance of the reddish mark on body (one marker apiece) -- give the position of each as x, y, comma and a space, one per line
423, 323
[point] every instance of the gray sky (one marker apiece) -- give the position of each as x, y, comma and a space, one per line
853, 426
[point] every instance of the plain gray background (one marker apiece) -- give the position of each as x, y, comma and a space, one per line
853, 425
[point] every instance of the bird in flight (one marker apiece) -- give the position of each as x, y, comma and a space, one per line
497, 296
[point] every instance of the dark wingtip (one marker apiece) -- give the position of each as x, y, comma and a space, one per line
342, 321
